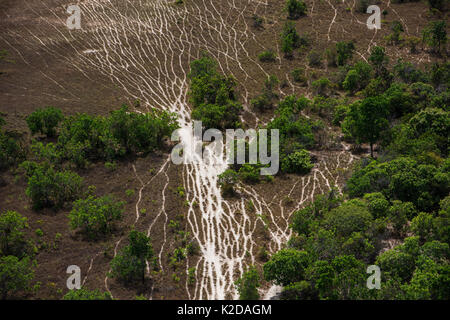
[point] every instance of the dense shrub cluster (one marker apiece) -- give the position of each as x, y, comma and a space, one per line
213, 96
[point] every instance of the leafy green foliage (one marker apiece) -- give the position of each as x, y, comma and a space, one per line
403, 179
297, 162
213, 96
45, 121
435, 35
48, 187
95, 216
227, 181
130, 264
295, 9
12, 236
85, 294
366, 120
12, 149
247, 285
84, 137
286, 266
15, 275
267, 56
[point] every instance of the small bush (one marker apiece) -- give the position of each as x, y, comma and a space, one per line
95, 216
314, 59
295, 9
267, 56
297, 162
50, 188
45, 121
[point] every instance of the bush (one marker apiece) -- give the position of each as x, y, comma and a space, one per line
84, 137
352, 216
377, 204
85, 294
12, 236
50, 188
435, 35
344, 52
45, 121
130, 264
299, 75
295, 9
12, 150
314, 59
95, 216
227, 181
267, 56
15, 275
286, 266
322, 86
247, 285
297, 162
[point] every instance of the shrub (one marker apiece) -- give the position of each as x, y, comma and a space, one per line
45, 121
50, 188
15, 275
227, 180
352, 216
295, 9
314, 59
344, 52
322, 86
12, 150
95, 216
130, 264
85, 294
297, 162
286, 266
249, 173
247, 285
377, 204
257, 21
267, 56
435, 35
12, 236
299, 75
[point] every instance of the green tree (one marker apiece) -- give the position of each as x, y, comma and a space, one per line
295, 9
50, 188
351, 216
15, 275
297, 162
130, 263
344, 52
12, 236
247, 285
45, 121
422, 225
95, 216
435, 35
379, 60
377, 204
286, 266
367, 119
